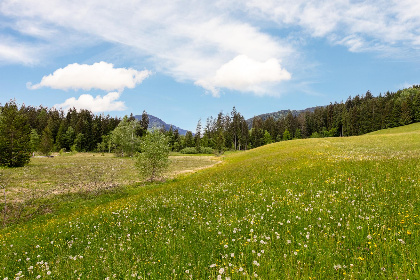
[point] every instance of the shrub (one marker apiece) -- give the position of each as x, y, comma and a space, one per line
193, 150
154, 157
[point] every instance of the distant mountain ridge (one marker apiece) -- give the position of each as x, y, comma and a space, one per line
155, 122
280, 114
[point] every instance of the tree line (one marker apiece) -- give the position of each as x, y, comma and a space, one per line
26, 129
358, 115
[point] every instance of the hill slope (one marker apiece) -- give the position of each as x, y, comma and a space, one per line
312, 209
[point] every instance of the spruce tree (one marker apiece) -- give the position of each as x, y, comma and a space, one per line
47, 142
15, 149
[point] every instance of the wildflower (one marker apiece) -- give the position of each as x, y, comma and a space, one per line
369, 237
221, 270
212, 265
255, 263
289, 241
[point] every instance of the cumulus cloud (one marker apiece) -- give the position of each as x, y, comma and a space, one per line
100, 75
245, 74
96, 104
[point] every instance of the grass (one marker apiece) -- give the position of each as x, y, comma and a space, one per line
48, 184
345, 208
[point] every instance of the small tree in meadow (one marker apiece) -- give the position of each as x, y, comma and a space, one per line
154, 157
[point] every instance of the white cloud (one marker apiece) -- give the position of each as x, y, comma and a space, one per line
96, 104
190, 44
193, 40
245, 74
369, 25
100, 75
15, 52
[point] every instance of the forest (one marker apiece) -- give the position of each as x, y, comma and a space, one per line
25, 130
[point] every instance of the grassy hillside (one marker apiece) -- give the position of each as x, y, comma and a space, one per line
313, 209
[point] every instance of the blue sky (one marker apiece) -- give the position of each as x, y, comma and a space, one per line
187, 60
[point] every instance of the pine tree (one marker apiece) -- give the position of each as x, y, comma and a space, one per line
197, 138
15, 149
34, 140
189, 140
144, 123
46, 144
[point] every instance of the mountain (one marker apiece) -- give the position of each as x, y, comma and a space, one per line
155, 122
279, 114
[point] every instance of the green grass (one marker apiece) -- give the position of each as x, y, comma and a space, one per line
332, 208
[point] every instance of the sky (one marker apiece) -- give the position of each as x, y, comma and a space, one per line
183, 61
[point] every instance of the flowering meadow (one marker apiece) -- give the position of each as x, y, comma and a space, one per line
330, 208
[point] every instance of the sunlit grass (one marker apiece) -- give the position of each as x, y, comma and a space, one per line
336, 208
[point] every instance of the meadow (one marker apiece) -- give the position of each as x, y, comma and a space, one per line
330, 208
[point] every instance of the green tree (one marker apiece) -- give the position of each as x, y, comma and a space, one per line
47, 142
124, 138
34, 140
286, 135
78, 143
197, 138
189, 139
267, 138
69, 138
15, 149
144, 124
154, 157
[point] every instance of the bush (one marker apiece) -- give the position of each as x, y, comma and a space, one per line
189, 151
193, 150
206, 150
154, 158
